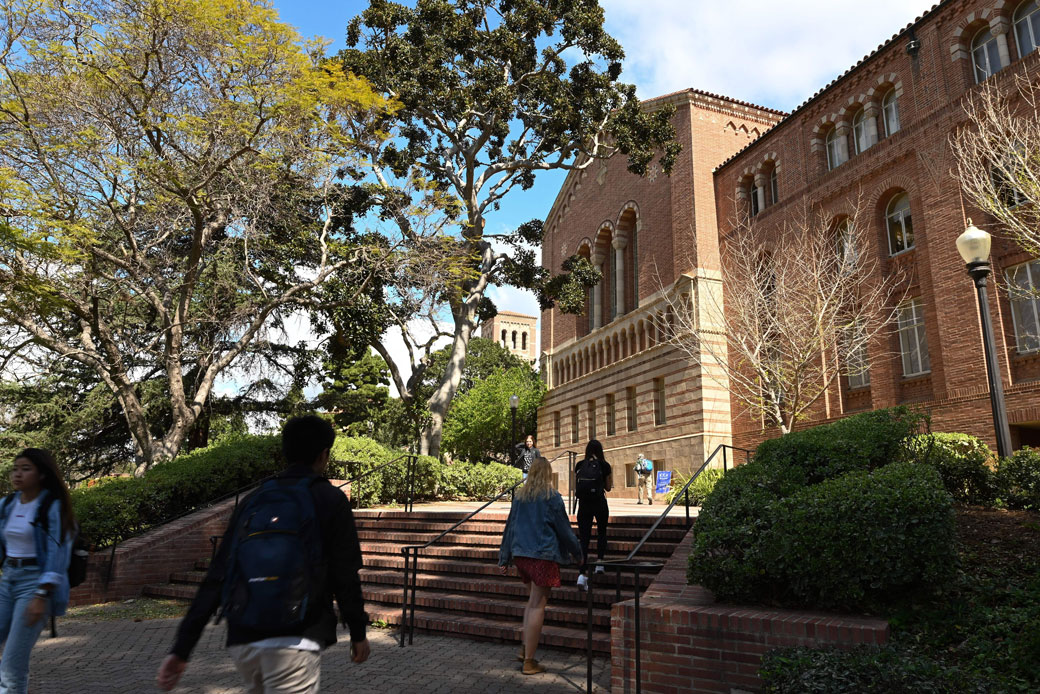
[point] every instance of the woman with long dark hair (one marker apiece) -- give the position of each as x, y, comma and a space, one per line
36, 532
594, 480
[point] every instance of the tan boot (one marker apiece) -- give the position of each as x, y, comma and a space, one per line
521, 656
532, 667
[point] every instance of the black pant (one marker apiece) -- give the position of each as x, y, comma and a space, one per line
588, 509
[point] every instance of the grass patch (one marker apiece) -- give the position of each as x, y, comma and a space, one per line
135, 610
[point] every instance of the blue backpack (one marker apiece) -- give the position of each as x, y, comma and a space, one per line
275, 558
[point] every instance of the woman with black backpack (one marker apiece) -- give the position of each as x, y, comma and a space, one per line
36, 532
593, 482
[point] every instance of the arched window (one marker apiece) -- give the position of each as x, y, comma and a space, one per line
834, 156
1027, 28
774, 190
523, 341
503, 338
859, 131
984, 55
514, 339
890, 112
753, 192
900, 225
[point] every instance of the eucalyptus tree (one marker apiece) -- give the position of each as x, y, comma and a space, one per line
490, 92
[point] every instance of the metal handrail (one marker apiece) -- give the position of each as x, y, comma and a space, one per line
411, 554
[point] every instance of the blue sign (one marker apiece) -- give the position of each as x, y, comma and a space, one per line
664, 480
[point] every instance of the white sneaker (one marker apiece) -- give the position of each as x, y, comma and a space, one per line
601, 570
583, 581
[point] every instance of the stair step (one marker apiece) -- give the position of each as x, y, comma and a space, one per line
614, 544
496, 629
671, 534
507, 587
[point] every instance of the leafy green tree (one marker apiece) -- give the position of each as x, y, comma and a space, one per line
356, 391
479, 426
175, 179
490, 92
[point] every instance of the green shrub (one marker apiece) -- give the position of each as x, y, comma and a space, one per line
116, 508
699, 490
487, 480
772, 529
962, 462
1018, 479
863, 540
864, 670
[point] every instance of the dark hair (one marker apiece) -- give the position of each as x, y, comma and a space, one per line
531, 434
304, 438
594, 449
53, 482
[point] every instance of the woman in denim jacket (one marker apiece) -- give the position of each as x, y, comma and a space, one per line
35, 581
538, 538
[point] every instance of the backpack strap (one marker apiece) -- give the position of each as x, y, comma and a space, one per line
5, 506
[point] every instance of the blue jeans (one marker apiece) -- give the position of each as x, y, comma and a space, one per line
16, 591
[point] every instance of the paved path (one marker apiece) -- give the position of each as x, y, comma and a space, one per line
121, 657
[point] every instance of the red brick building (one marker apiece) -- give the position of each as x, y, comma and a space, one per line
878, 135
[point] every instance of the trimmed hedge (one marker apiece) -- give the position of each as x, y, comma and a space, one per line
820, 519
113, 509
963, 463
864, 670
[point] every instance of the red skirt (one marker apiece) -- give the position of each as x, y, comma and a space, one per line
543, 572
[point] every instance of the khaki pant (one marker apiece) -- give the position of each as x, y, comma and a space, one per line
645, 484
278, 670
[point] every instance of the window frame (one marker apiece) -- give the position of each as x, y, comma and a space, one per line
631, 413
774, 186
987, 49
890, 102
660, 403
1031, 299
830, 146
611, 414
1030, 22
575, 429
913, 331
891, 216
753, 192
557, 429
859, 131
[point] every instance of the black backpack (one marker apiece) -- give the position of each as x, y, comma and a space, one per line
274, 562
80, 548
591, 472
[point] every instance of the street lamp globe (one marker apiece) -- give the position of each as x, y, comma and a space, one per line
974, 245
514, 401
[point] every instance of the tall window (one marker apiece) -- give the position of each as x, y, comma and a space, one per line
1027, 28
755, 209
900, 224
630, 407
611, 415
523, 341
556, 429
659, 413
984, 55
890, 112
503, 338
1024, 285
514, 339
859, 131
590, 410
774, 190
913, 342
858, 368
834, 157
845, 244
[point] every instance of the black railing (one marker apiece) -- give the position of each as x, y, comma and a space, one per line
411, 561
572, 461
409, 500
629, 563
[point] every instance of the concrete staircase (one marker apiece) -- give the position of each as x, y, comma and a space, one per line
459, 588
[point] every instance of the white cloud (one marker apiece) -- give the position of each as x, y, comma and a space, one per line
776, 54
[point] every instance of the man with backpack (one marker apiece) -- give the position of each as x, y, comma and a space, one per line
290, 547
645, 481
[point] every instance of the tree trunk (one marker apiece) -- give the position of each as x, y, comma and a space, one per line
440, 402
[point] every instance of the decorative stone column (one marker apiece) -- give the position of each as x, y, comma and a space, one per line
842, 131
761, 181
870, 113
597, 293
998, 26
619, 244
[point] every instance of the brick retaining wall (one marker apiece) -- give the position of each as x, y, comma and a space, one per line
691, 644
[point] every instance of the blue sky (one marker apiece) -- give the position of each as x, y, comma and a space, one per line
770, 53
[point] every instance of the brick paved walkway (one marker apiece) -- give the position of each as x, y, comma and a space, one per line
121, 657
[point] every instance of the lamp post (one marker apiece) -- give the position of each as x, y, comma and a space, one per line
514, 401
974, 245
